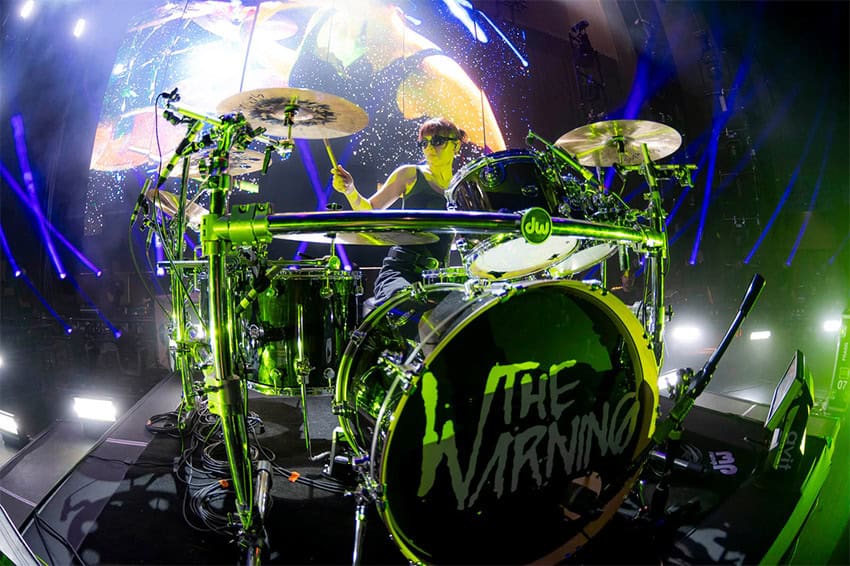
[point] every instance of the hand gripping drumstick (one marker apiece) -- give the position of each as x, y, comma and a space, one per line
330, 153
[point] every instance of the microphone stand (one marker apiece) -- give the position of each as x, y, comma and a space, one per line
690, 387
586, 174
226, 389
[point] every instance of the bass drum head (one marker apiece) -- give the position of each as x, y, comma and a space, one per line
511, 444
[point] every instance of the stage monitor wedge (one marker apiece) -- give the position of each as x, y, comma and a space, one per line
787, 419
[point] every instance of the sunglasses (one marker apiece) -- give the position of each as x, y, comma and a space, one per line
435, 141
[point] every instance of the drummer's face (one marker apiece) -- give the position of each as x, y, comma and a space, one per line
438, 146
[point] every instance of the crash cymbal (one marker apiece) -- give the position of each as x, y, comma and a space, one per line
618, 142
318, 115
394, 238
167, 202
241, 163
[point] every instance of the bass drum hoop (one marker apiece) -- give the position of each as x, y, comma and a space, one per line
345, 409
646, 370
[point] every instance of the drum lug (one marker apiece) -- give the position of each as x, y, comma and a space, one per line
474, 286
357, 337
501, 289
390, 362
417, 291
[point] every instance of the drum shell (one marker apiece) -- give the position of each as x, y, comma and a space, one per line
298, 328
505, 181
430, 422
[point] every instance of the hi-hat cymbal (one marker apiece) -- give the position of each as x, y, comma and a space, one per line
168, 202
387, 238
240, 163
618, 142
318, 115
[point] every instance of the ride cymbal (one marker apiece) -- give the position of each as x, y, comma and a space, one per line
387, 238
168, 202
318, 115
618, 142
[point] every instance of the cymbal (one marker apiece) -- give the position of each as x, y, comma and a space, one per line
167, 202
618, 142
240, 163
318, 115
388, 238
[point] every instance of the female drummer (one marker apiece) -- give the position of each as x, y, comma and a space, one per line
420, 186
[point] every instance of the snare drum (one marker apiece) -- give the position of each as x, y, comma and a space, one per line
511, 181
297, 329
502, 435
445, 275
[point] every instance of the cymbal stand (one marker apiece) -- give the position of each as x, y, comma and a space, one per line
654, 313
586, 174
179, 298
226, 389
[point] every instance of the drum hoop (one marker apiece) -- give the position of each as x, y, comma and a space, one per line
493, 242
484, 160
623, 318
316, 273
553, 270
450, 271
341, 404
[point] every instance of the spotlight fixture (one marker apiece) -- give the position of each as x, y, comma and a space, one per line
760, 335
27, 9
832, 325
8, 424
79, 27
686, 334
94, 409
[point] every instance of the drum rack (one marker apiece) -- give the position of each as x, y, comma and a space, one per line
253, 227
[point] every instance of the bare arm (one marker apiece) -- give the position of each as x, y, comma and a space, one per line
397, 184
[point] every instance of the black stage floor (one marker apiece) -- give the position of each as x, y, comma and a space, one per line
134, 500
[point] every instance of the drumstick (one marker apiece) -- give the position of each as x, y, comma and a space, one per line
330, 153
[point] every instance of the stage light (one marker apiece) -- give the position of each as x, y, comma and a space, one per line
79, 28
668, 380
8, 424
94, 409
686, 334
759, 334
832, 325
27, 9
1, 361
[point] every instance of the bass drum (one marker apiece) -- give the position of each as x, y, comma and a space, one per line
500, 434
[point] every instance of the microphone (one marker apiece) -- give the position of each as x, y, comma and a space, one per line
140, 201
261, 283
171, 96
185, 147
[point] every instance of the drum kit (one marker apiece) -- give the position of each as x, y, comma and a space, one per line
504, 396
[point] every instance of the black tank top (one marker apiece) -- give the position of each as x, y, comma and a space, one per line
423, 197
